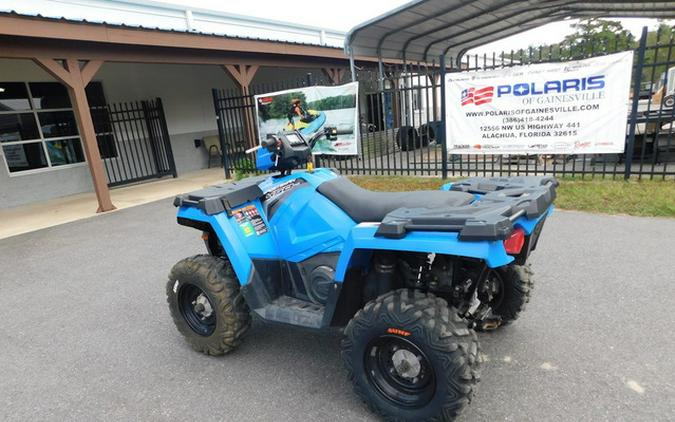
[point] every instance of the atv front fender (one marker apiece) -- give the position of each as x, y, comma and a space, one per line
219, 224
362, 240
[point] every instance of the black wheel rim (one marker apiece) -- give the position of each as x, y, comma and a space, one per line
400, 371
197, 309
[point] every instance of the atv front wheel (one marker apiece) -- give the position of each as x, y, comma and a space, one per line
504, 295
205, 304
411, 357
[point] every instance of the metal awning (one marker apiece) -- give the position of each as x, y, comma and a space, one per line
422, 30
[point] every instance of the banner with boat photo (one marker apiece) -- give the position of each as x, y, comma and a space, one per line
310, 110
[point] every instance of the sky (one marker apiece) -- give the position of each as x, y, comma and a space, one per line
345, 14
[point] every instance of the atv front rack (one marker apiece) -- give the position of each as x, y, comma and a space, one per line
216, 199
500, 201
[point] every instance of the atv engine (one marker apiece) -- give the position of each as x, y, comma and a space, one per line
449, 277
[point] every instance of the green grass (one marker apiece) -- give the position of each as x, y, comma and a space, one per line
641, 198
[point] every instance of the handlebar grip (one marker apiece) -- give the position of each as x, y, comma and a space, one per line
250, 150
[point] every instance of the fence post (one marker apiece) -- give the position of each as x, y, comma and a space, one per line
221, 134
444, 144
166, 137
636, 98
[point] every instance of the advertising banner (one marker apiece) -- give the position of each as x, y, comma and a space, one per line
549, 108
312, 109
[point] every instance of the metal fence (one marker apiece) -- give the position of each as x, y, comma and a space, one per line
401, 128
235, 115
133, 141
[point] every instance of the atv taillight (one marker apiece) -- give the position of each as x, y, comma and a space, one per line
514, 243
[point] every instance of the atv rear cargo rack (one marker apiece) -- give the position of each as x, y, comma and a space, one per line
500, 202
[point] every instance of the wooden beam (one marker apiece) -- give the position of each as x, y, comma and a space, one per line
85, 125
243, 74
55, 69
328, 71
113, 34
90, 69
27, 48
63, 33
76, 80
335, 74
250, 71
340, 74
235, 73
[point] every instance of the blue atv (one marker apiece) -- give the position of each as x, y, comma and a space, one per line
410, 276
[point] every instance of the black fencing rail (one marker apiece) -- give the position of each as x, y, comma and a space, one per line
402, 127
133, 141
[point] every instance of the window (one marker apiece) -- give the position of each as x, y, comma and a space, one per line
38, 128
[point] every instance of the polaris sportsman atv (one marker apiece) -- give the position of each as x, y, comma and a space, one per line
410, 275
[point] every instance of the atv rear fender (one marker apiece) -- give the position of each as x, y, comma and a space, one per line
362, 242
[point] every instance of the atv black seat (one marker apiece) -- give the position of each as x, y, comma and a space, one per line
363, 205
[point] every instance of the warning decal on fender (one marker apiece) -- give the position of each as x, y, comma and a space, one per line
249, 220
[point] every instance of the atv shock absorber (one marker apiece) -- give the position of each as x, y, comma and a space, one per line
382, 278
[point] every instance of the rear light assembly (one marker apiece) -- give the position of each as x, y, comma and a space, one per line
514, 243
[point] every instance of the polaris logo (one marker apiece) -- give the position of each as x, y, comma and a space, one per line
552, 87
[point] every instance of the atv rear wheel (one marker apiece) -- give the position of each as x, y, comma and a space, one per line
505, 293
411, 357
206, 305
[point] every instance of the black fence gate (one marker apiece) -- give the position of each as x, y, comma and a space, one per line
402, 132
133, 141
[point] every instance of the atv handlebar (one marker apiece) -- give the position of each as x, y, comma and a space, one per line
266, 143
271, 141
329, 132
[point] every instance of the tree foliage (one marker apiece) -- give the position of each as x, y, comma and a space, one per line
594, 36
591, 37
281, 104
278, 108
660, 51
333, 103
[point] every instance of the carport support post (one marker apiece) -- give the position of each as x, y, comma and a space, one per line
243, 74
630, 147
380, 86
352, 66
76, 80
444, 144
434, 94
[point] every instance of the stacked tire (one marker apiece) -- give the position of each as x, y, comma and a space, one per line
407, 138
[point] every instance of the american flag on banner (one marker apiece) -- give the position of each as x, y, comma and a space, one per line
477, 96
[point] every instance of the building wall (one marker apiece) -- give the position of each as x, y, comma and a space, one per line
185, 91
186, 95
21, 189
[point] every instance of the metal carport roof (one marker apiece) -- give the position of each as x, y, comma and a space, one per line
422, 30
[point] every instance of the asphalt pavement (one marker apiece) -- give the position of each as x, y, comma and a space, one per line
85, 333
